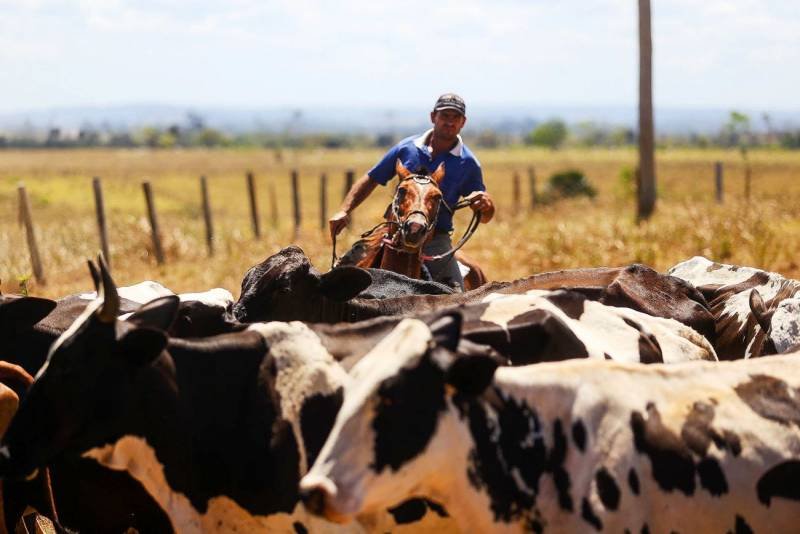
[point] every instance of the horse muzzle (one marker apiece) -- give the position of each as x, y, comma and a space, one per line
414, 231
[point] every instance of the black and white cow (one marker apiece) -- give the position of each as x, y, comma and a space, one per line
286, 287
756, 312
218, 430
578, 446
30, 325
542, 326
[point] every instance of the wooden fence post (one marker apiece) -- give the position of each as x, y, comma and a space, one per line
151, 214
516, 192
747, 180
207, 215
323, 201
349, 179
296, 201
273, 204
251, 192
718, 181
27, 219
101, 219
532, 186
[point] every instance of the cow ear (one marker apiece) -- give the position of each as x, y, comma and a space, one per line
159, 313
446, 330
401, 170
471, 374
438, 174
140, 346
344, 283
759, 309
27, 310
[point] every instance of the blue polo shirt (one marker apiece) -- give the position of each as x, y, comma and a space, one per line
462, 172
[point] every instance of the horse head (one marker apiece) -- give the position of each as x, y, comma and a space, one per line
415, 207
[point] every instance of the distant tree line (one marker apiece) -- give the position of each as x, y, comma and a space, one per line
738, 132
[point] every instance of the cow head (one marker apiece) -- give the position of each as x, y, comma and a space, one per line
285, 287
74, 403
395, 428
778, 321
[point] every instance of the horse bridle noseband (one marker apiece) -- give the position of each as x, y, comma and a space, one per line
420, 179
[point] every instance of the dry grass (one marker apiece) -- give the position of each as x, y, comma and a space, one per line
519, 242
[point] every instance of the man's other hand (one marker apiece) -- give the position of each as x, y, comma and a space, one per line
338, 222
481, 201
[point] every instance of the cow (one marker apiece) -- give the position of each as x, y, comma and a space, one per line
29, 325
217, 430
574, 446
542, 326
18, 496
286, 287
755, 311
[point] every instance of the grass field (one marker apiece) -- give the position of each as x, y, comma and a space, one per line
577, 233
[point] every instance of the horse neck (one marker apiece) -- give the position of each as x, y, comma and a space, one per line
401, 262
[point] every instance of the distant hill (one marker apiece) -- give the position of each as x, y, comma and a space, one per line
513, 120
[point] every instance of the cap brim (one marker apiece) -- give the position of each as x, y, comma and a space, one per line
454, 108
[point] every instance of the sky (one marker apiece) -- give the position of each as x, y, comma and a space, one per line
306, 53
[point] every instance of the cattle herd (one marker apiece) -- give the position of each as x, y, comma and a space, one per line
357, 400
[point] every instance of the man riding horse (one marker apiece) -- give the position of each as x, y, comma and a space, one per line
420, 154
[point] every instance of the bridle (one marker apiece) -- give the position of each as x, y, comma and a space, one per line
430, 223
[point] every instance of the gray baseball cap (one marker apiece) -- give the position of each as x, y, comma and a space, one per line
451, 101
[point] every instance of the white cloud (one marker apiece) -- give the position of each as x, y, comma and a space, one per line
240, 51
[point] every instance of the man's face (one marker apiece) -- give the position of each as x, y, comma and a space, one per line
447, 123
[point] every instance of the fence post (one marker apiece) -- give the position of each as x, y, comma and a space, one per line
207, 215
349, 179
747, 180
273, 204
251, 192
515, 191
323, 201
151, 214
532, 185
101, 219
27, 219
296, 201
718, 181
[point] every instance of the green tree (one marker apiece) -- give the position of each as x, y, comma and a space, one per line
737, 129
551, 134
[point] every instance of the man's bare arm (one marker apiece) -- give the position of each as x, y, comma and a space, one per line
361, 189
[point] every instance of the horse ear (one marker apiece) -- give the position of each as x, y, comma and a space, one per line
438, 174
401, 170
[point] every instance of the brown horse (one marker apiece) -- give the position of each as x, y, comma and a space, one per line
410, 221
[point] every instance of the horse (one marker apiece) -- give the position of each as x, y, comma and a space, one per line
410, 221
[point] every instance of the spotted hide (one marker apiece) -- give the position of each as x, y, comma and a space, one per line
285, 287
756, 312
218, 431
576, 446
542, 326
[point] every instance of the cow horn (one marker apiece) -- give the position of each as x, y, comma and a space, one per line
110, 309
95, 274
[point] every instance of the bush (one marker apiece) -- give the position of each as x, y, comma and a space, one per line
567, 184
551, 134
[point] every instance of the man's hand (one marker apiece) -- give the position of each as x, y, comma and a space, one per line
338, 222
481, 201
